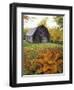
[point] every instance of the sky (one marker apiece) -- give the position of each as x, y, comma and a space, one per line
32, 21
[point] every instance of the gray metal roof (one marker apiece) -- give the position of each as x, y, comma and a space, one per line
31, 31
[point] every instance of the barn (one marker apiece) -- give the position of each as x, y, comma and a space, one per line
38, 35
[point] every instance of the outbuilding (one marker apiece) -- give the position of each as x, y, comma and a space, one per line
38, 35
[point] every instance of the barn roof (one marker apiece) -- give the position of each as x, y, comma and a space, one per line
31, 31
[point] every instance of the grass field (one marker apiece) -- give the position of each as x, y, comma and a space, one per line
41, 45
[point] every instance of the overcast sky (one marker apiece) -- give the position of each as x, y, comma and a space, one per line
33, 21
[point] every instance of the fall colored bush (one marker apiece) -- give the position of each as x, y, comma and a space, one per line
43, 61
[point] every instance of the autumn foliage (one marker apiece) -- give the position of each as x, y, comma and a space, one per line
43, 61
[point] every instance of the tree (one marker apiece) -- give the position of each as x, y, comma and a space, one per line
56, 34
25, 32
59, 21
43, 21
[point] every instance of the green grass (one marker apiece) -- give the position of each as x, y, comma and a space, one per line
41, 45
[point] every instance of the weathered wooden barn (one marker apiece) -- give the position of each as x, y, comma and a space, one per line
38, 35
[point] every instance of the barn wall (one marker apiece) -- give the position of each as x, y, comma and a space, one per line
29, 39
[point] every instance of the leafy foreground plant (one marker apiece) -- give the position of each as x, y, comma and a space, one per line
43, 61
